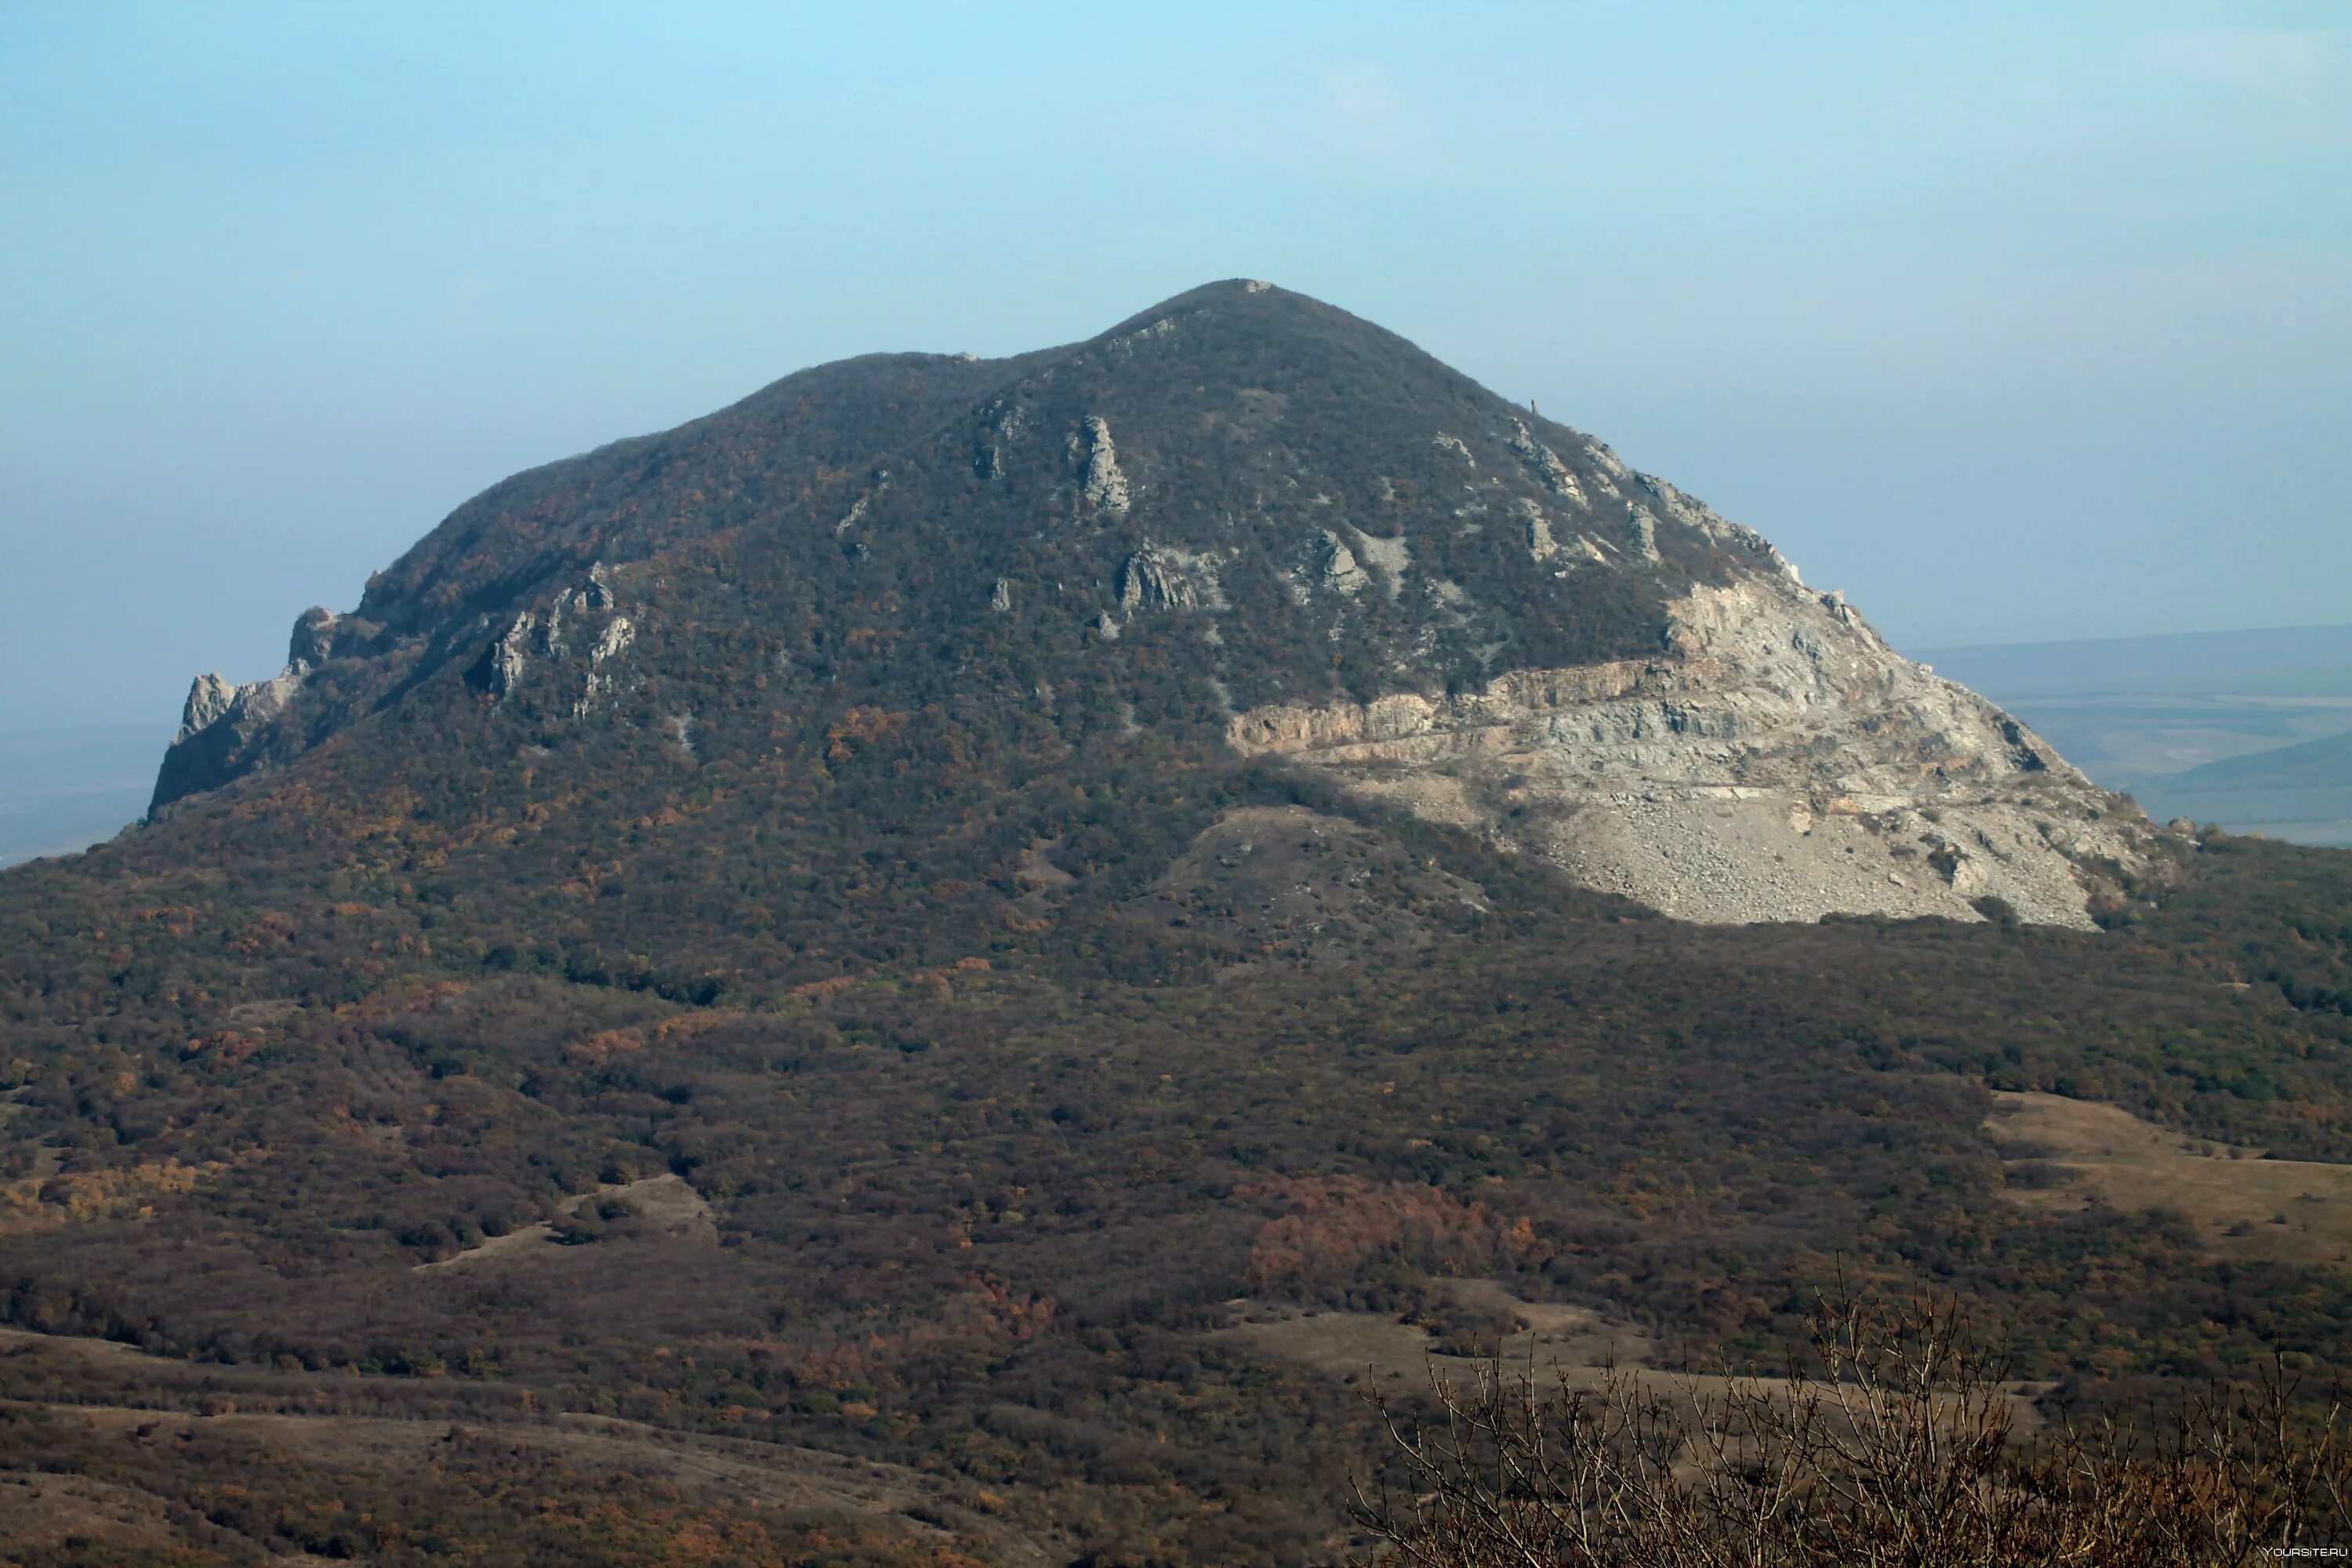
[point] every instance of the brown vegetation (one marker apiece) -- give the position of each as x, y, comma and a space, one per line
1342, 1227
137, 1488
416, 991
236, 1464
1901, 1452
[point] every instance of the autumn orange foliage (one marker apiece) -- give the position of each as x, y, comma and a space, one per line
1341, 1224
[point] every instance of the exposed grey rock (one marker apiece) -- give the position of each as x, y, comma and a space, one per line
222, 735
863, 504
1392, 557
612, 642
1162, 577
1766, 722
1151, 579
1544, 463
551, 630
1340, 569
1126, 343
1001, 425
1719, 530
313, 642
504, 663
1777, 761
602, 657
1540, 544
208, 699
1644, 530
1962, 868
1106, 484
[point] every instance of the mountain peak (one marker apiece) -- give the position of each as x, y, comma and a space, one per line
1253, 523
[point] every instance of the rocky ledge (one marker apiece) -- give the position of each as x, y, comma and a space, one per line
1776, 761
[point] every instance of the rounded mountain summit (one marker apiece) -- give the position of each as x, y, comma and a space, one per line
1241, 525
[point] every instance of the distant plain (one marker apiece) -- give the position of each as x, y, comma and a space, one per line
2249, 730
63, 790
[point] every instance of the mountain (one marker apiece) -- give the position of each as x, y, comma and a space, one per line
1241, 516
955, 962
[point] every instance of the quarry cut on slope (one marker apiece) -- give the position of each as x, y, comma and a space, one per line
1242, 512
1777, 761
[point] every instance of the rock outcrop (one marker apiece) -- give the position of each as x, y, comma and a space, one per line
1776, 761
1341, 572
503, 661
1158, 578
1106, 484
228, 730
222, 734
209, 700
314, 639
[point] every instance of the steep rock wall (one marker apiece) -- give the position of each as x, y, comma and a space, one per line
1776, 762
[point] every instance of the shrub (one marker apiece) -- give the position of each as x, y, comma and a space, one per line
1902, 1448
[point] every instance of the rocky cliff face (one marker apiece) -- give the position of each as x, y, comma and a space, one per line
227, 729
1250, 521
1774, 761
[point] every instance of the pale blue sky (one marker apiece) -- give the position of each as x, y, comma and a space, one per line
2015, 322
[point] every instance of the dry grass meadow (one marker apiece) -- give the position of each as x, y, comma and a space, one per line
2065, 1153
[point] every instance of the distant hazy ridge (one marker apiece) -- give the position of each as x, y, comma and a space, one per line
2251, 730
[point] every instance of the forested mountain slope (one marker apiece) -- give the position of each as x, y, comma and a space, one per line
1242, 521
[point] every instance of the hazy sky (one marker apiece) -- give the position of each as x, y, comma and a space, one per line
2014, 321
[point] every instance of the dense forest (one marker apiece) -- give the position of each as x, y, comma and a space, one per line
983, 1215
